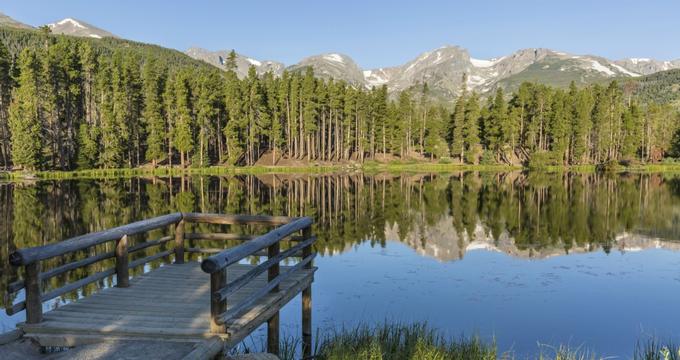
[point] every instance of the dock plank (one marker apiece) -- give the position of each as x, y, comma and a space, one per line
172, 301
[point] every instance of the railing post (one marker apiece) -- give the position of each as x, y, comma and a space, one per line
179, 242
33, 284
273, 322
307, 301
218, 280
122, 272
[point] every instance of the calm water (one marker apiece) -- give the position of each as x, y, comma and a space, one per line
584, 260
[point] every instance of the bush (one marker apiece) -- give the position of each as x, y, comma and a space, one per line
488, 158
610, 166
541, 159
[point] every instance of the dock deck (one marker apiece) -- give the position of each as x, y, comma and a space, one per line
170, 303
215, 303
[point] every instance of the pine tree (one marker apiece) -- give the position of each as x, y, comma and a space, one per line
496, 128
632, 131
435, 144
153, 86
471, 129
457, 126
25, 114
5, 99
112, 135
183, 127
581, 125
88, 146
560, 127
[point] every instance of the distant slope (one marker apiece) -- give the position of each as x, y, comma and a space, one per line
9, 22
661, 87
334, 66
17, 39
243, 63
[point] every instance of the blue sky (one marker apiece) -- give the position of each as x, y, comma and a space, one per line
378, 33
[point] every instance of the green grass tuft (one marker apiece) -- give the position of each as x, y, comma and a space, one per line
399, 342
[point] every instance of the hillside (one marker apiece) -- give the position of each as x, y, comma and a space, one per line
661, 87
16, 39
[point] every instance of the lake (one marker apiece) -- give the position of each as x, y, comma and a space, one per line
532, 260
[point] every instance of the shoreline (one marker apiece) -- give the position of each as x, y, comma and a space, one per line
368, 168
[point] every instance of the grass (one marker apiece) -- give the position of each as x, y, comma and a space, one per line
368, 167
399, 341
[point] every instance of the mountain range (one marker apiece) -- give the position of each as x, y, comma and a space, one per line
442, 69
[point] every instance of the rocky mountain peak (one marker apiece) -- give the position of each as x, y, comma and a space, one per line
74, 27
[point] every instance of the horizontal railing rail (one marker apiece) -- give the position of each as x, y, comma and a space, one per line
216, 265
252, 245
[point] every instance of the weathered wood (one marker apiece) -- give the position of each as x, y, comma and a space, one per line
259, 269
122, 273
240, 327
255, 296
179, 242
19, 284
147, 309
207, 349
218, 280
33, 293
150, 243
273, 334
307, 322
177, 303
235, 254
8, 337
273, 270
77, 284
30, 255
218, 236
15, 308
223, 219
150, 258
307, 300
307, 250
195, 250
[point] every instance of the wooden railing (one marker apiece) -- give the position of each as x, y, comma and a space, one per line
215, 265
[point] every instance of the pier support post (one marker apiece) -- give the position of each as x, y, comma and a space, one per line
34, 313
273, 334
273, 322
218, 280
307, 301
307, 322
122, 271
179, 242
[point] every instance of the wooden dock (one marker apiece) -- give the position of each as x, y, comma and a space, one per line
218, 298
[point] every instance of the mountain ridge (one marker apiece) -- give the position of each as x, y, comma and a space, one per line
443, 68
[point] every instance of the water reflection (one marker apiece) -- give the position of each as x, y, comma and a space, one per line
439, 215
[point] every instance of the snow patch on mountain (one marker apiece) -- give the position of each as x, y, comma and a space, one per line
595, 65
72, 22
485, 63
639, 60
334, 57
375, 78
623, 70
254, 62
